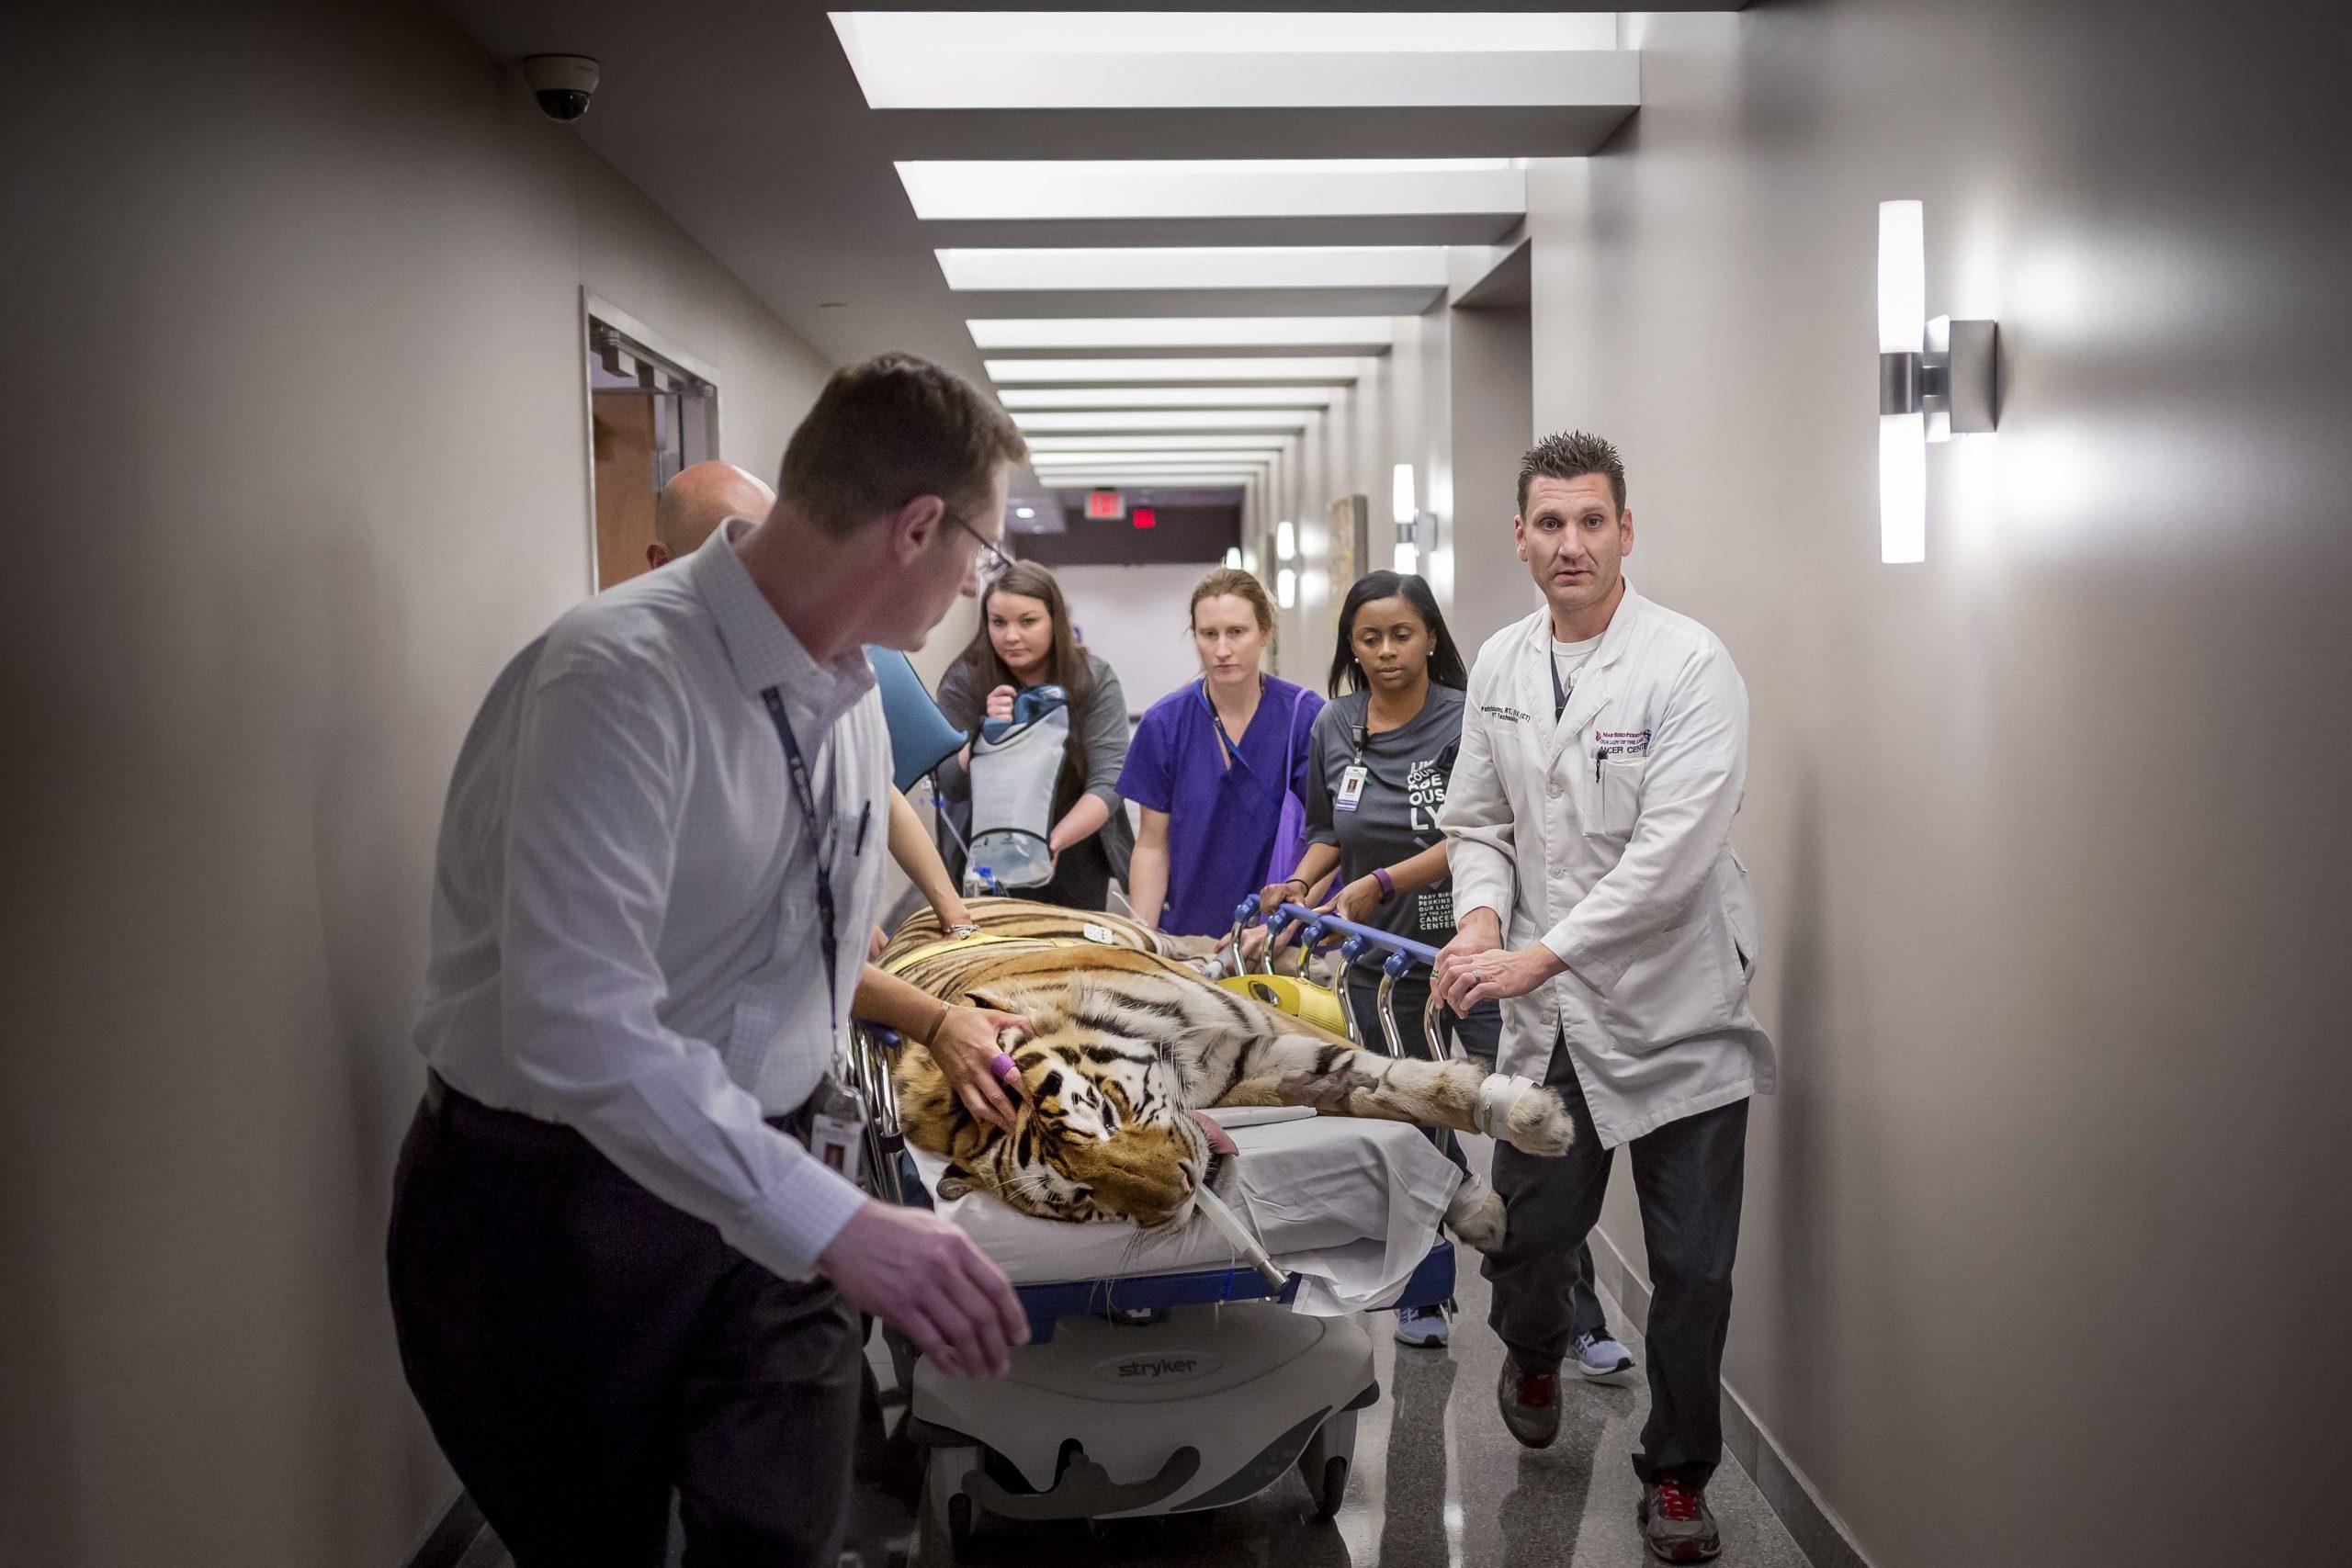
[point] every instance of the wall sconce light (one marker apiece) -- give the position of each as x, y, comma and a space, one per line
1936, 379
1249, 561
1233, 556
1400, 494
1286, 588
1285, 541
1416, 537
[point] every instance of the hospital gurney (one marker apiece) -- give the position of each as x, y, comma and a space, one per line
1166, 1373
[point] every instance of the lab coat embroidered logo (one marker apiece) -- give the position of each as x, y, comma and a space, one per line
1621, 742
1509, 716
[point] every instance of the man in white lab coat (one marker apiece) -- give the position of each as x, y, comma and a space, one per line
1604, 746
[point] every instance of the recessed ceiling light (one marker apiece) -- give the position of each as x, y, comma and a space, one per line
1312, 370
1163, 418
1185, 332
1252, 188
1019, 398
1196, 267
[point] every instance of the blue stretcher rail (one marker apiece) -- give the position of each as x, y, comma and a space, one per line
1317, 930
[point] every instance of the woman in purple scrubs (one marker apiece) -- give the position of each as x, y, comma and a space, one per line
1212, 765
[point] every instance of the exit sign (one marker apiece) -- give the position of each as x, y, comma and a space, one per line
1105, 506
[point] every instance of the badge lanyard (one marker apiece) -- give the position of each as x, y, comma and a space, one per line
841, 1114
1559, 693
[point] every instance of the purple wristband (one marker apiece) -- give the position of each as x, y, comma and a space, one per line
1387, 888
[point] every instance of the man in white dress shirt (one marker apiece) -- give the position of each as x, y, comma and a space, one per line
615, 1268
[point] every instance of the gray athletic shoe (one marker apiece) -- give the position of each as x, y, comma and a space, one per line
1421, 1327
1529, 1398
1677, 1524
1600, 1358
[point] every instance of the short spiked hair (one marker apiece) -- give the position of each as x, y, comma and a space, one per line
1571, 455
891, 429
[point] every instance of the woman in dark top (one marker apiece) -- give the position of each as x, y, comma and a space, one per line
1025, 641
1378, 762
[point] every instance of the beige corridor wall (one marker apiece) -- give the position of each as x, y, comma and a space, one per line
294, 428
2043, 1253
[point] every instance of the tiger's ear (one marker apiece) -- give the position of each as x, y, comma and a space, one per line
989, 996
958, 1182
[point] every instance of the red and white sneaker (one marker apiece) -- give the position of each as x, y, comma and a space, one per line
1529, 1398
1676, 1525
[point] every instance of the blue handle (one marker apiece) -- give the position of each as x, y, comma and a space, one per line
1321, 928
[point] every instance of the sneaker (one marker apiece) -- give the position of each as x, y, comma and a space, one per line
1600, 1357
1676, 1525
1422, 1327
1529, 1398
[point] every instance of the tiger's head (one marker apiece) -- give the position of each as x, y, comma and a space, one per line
1100, 1129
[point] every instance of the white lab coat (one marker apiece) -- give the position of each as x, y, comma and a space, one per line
1606, 836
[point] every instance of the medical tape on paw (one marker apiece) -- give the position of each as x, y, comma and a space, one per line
1497, 1096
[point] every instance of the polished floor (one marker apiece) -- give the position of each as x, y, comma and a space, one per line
1438, 1484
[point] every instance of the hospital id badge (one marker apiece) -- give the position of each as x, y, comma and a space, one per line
1351, 787
837, 1129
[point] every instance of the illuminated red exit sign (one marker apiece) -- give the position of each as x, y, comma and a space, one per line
1105, 506
1146, 518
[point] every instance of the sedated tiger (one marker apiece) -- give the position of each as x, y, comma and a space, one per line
1129, 1038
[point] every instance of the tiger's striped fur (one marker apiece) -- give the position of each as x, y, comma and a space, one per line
1127, 1040
1022, 917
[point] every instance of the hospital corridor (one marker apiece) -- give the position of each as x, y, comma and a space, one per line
841, 784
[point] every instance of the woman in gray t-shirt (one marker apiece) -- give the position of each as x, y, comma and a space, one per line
1378, 762
1025, 640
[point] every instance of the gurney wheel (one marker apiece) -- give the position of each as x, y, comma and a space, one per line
1325, 1462
943, 1520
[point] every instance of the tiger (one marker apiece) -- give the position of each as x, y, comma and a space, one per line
1126, 1041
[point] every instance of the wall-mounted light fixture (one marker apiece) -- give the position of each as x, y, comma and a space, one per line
1400, 493
1233, 556
1285, 564
1936, 379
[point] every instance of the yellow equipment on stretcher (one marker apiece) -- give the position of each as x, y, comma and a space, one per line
1304, 1000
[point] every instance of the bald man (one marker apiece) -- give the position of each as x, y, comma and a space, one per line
701, 498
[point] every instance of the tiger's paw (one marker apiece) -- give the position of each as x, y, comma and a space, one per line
1475, 1215
1532, 1120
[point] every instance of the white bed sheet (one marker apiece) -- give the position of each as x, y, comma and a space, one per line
1352, 1206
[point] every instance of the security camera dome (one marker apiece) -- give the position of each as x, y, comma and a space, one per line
561, 83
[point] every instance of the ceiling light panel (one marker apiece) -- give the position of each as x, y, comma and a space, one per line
980, 190
948, 60
1019, 398
1329, 371
1179, 267
1106, 450
969, 34
1186, 331
1163, 418
1050, 447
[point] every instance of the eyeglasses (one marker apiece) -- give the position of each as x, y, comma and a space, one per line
994, 562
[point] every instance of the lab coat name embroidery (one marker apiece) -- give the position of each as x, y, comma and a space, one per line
1621, 742
1510, 716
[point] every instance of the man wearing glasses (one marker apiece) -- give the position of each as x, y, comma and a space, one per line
618, 1269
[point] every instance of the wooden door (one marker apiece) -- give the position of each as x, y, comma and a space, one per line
624, 483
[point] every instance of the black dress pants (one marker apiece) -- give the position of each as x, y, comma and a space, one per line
1479, 1034
582, 1348
1688, 1177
